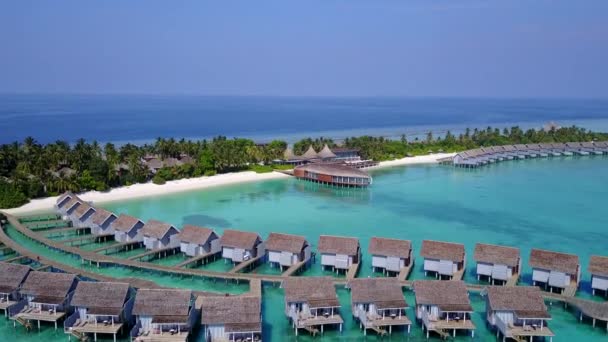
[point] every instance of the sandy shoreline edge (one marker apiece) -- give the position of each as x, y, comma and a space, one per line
41, 205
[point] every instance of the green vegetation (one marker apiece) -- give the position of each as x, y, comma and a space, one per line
31, 170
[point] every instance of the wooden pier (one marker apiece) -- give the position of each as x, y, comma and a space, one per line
196, 259
155, 253
404, 273
245, 265
62, 231
119, 246
87, 239
295, 268
352, 271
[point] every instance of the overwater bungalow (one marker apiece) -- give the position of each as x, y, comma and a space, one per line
497, 263
100, 308
101, 222
238, 246
390, 255
598, 267
67, 210
337, 252
81, 214
196, 241
11, 278
555, 270
47, 297
159, 235
378, 304
231, 318
517, 312
63, 200
311, 303
445, 259
286, 250
163, 315
576, 148
443, 307
127, 228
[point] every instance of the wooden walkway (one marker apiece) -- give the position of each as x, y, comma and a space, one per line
241, 266
153, 252
352, 271
86, 239
196, 259
61, 231
513, 280
294, 268
15, 258
405, 272
118, 246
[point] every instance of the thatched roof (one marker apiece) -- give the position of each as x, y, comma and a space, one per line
48, 287
239, 239
11, 276
196, 235
236, 313
554, 261
334, 169
156, 229
447, 295
526, 301
326, 153
390, 247
163, 302
386, 293
318, 292
442, 250
101, 215
338, 245
289, 155
101, 297
494, 254
598, 265
124, 223
310, 153
285, 243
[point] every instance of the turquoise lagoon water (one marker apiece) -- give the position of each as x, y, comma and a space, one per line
557, 204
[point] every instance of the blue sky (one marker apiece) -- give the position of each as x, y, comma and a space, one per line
489, 48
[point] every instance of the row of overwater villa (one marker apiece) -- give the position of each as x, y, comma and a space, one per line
487, 155
378, 303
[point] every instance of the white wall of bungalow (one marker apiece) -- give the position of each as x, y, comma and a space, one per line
286, 258
103, 227
389, 263
339, 261
192, 249
168, 240
599, 282
82, 220
240, 254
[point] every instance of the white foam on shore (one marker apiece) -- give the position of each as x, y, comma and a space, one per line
42, 205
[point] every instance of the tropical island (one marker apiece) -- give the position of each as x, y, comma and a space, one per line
30, 170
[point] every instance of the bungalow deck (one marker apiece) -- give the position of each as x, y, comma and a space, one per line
380, 324
443, 327
95, 329
5, 305
310, 323
164, 337
39, 316
161, 252
245, 264
520, 333
196, 259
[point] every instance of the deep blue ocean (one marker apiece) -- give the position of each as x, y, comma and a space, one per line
142, 118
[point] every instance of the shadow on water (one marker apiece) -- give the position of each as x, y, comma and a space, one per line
205, 221
347, 195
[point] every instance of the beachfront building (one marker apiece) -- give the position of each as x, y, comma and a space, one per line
333, 174
497, 263
555, 270
101, 222
338, 252
127, 229
11, 278
517, 312
445, 259
286, 250
100, 308
598, 267
378, 304
81, 215
311, 303
346, 154
443, 307
391, 255
197, 241
231, 318
238, 246
163, 314
47, 297
159, 235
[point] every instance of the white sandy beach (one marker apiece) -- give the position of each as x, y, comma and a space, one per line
182, 185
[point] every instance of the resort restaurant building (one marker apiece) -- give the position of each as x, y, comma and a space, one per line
81, 214
231, 318
443, 307
99, 308
497, 262
333, 174
390, 255
286, 250
163, 312
159, 235
238, 246
555, 270
127, 229
378, 304
338, 252
48, 296
196, 241
311, 303
598, 267
101, 222
443, 258
517, 312
11, 278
